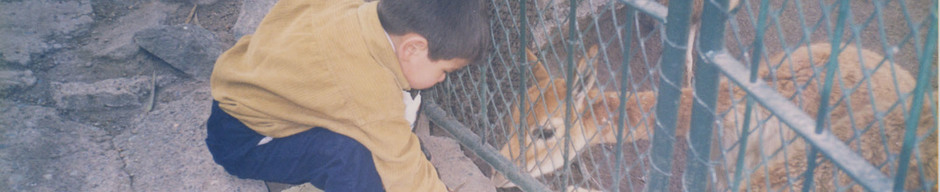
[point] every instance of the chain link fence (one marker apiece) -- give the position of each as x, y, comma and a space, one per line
701, 95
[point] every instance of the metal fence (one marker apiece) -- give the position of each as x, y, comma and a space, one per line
701, 95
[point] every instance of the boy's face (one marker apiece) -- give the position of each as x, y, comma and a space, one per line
422, 73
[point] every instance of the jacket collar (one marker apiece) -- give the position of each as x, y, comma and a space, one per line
377, 41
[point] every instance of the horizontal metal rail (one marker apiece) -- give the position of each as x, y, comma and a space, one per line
470, 140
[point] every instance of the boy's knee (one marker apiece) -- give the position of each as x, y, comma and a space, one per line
353, 167
352, 148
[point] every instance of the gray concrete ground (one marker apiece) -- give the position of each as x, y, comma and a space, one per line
74, 118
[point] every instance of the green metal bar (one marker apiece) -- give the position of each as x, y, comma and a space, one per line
755, 66
828, 144
822, 115
485, 98
523, 91
622, 108
523, 30
923, 78
486, 152
706, 93
569, 83
889, 57
667, 104
759, 53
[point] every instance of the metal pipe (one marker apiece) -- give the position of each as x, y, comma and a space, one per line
667, 101
923, 78
624, 76
705, 95
822, 115
470, 140
758, 48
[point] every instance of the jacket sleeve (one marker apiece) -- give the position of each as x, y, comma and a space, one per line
398, 157
375, 103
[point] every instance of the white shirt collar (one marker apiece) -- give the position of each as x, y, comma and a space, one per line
390, 41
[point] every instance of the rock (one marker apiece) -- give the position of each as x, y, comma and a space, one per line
36, 34
189, 48
306, 187
252, 12
203, 2
102, 95
11, 80
40, 151
115, 40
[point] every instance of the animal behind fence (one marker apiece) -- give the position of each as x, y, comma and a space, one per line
869, 102
548, 95
867, 95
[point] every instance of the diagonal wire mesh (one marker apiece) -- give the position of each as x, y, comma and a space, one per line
714, 95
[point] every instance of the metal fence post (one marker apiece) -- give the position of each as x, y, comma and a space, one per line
823, 113
714, 14
757, 50
621, 109
523, 85
677, 29
916, 105
569, 81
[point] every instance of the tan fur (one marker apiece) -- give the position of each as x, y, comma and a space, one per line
543, 156
545, 96
870, 146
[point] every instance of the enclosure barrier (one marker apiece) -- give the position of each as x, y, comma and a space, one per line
605, 102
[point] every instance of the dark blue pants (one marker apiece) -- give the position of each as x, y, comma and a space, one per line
328, 160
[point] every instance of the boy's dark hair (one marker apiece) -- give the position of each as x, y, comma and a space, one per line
453, 28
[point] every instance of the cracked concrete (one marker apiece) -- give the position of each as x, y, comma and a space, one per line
43, 152
166, 146
163, 151
75, 87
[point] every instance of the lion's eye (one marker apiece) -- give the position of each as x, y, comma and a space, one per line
543, 133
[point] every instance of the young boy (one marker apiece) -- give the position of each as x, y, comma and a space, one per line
316, 94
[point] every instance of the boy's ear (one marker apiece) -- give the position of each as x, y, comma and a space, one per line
413, 46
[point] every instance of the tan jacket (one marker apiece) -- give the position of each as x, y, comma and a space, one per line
325, 64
